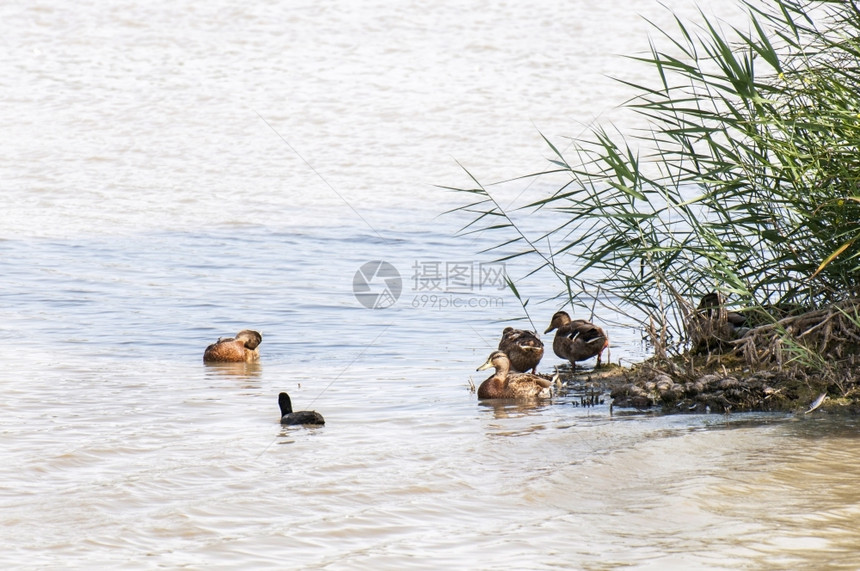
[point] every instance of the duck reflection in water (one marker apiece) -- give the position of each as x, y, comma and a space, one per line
249, 371
507, 408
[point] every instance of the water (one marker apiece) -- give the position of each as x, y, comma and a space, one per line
174, 172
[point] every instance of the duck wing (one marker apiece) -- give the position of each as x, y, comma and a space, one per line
583, 331
581, 340
524, 348
528, 385
518, 338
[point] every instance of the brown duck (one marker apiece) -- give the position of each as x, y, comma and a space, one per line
243, 347
523, 349
712, 326
578, 339
506, 385
711, 307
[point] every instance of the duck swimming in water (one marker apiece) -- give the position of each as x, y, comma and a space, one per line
243, 347
506, 385
298, 417
577, 339
523, 349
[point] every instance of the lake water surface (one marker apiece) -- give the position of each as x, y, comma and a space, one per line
173, 172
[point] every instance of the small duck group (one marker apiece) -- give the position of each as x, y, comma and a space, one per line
520, 350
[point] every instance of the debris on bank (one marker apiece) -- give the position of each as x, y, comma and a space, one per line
802, 363
671, 389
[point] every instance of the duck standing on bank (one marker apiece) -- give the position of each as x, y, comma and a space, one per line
243, 347
577, 339
506, 385
523, 348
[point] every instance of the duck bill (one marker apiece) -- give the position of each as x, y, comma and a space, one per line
487, 365
548, 329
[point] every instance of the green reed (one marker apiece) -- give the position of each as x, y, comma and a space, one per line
747, 180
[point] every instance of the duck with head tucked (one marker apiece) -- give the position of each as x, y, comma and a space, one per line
243, 347
506, 385
577, 339
299, 416
523, 348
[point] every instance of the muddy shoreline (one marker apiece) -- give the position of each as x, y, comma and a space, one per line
800, 363
702, 385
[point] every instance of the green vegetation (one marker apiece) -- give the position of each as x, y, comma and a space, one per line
747, 182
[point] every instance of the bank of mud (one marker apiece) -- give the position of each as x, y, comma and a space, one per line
803, 362
704, 384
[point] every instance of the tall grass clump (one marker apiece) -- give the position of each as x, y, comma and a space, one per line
745, 182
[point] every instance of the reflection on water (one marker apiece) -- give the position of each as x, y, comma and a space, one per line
505, 408
241, 370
